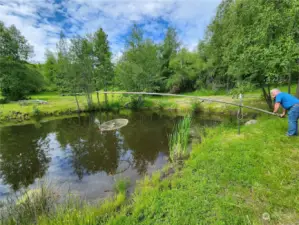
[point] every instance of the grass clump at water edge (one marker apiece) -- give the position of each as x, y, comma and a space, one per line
26, 208
178, 139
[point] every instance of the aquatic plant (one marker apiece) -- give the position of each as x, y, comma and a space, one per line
178, 139
121, 185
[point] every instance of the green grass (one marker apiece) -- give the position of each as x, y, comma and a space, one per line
45, 206
179, 139
65, 105
24, 209
57, 105
229, 179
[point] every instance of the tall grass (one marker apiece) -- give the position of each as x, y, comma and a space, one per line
178, 140
44, 206
27, 208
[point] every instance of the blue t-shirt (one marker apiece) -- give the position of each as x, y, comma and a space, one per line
286, 100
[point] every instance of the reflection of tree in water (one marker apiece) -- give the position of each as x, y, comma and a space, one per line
146, 136
23, 154
91, 151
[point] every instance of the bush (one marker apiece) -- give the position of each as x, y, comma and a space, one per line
36, 111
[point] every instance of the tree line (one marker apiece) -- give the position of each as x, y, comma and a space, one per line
249, 44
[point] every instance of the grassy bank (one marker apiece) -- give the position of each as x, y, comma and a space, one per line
250, 178
58, 105
229, 179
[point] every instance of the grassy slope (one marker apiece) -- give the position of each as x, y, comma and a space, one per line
56, 105
229, 179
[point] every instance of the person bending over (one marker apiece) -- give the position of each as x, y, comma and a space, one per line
289, 103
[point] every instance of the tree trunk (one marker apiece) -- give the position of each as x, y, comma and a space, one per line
289, 83
106, 97
297, 90
267, 97
227, 85
78, 107
88, 99
98, 98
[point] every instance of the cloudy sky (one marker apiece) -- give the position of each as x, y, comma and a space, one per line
41, 21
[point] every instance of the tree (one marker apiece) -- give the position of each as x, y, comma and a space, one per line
17, 77
186, 66
81, 58
138, 68
62, 78
102, 60
251, 41
50, 68
169, 49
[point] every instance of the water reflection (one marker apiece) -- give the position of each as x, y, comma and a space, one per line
23, 154
74, 148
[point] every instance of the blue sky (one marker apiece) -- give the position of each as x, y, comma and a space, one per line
41, 21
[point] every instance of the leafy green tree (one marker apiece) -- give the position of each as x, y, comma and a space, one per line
13, 44
17, 77
82, 67
186, 67
138, 69
50, 69
62, 65
104, 73
169, 49
251, 41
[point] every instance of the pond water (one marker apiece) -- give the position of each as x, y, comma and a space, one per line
73, 154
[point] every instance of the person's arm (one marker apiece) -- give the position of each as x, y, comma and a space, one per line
283, 113
276, 107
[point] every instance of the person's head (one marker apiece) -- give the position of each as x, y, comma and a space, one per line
275, 92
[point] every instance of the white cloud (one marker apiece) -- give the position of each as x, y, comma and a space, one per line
39, 23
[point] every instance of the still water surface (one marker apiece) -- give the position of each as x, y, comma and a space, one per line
73, 154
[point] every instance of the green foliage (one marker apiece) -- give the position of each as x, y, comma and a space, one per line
242, 88
104, 68
138, 68
179, 139
121, 185
168, 50
18, 79
186, 67
50, 70
36, 111
196, 107
252, 41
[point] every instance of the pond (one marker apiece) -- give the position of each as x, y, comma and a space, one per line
73, 154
